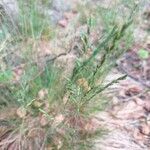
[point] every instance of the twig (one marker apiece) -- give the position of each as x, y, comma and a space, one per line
96, 90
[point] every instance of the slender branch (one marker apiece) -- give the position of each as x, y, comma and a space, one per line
96, 90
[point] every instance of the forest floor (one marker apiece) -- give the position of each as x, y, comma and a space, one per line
128, 117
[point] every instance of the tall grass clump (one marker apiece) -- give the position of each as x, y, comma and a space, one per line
53, 111
32, 21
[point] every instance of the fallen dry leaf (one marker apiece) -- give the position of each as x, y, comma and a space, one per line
44, 120
42, 94
58, 119
21, 112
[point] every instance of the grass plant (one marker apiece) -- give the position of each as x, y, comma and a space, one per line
56, 112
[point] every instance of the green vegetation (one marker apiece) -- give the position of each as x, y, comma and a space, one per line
61, 106
32, 22
143, 54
